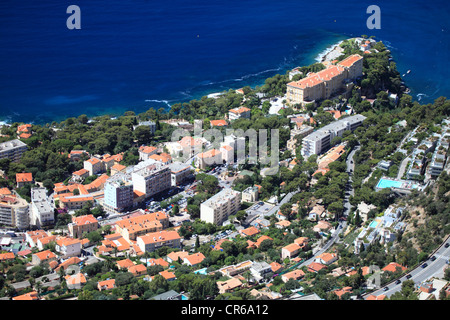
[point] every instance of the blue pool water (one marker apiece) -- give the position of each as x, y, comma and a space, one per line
383, 183
373, 224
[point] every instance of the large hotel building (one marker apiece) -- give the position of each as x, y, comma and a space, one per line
323, 84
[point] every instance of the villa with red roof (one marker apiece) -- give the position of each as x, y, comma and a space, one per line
23, 178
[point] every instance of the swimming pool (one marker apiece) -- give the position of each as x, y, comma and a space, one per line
384, 183
373, 224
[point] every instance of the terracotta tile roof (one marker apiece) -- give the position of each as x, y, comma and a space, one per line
126, 263
195, 259
250, 231
209, 154
295, 274
78, 278
82, 220
106, 284
218, 123
261, 239
118, 167
143, 222
167, 275
25, 135
93, 160
315, 267
392, 267
6, 256
147, 149
229, 284
155, 237
33, 295
24, 127
175, 254
350, 60
68, 262
65, 241
275, 266
24, 177
137, 269
239, 110
159, 261
97, 183
5, 191
45, 255
160, 157
292, 247
80, 172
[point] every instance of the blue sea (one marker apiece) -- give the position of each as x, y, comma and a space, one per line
134, 55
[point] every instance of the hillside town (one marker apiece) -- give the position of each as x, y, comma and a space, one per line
185, 219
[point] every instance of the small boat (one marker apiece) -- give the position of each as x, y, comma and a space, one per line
409, 71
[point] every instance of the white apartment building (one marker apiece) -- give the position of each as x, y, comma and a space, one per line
319, 141
42, 210
12, 150
14, 212
118, 192
219, 207
151, 177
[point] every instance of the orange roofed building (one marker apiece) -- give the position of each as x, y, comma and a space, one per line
208, 158
218, 123
23, 178
325, 83
131, 228
154, 240
82, 224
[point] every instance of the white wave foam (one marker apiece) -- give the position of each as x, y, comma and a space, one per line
326, 51
166, 102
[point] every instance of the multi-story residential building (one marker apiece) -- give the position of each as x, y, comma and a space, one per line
319, 141
179, 173
227, 153
42, 210
32, 237
155, 240
325, 83
239, 113
296, 134
68, 247
12, 150
118, 192
131, 228
151, 177
186, 147
250, 194
146, 151
94, 166
75, 202
217, 208
14, 212
208, 158
82, 224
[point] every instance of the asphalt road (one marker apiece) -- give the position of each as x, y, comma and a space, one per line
420, 274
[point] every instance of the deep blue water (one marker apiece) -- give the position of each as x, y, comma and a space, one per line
133, 55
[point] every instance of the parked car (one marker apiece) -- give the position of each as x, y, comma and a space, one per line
447, 245
386, 288
425, 265
398, 281
408, 276
433, 258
